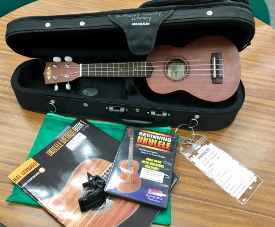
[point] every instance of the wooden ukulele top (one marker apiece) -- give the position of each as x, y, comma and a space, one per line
199, 68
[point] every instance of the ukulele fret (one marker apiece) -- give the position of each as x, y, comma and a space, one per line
80, 69
128, 70
134, 72
107, 172
104, 70
84, 70
144, 69
123, 70
113, 69
136, 69
92, 70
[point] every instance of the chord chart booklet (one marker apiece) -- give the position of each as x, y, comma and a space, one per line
143, 167
54, 177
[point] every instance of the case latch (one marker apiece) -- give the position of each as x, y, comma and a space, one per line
156, 117
161, 114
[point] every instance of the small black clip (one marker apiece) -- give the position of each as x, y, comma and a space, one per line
94, 195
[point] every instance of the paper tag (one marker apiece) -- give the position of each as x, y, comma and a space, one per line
229, 174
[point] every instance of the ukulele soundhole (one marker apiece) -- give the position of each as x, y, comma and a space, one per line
104, 207
176, 68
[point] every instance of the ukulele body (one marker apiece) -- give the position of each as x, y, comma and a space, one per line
129, 180
197, 80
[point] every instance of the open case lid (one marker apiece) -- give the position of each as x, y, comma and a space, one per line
131, 32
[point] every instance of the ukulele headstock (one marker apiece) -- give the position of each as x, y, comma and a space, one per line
130, 132
59, 72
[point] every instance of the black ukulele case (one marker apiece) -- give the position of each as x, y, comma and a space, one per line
112, 47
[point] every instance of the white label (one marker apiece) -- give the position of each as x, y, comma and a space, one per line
152, 175
76, 141
229, 174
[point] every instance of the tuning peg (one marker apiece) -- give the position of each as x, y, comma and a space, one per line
68, 59
68, 86
56, 59
56, 87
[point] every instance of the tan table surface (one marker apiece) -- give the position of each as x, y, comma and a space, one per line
196, 200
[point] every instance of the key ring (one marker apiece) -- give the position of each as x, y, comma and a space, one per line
189, 141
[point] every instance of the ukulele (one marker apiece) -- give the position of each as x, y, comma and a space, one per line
208, 68
129, 180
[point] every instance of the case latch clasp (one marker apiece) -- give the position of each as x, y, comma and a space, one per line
155, 117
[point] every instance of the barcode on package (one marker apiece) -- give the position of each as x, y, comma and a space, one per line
151, 175
76, 141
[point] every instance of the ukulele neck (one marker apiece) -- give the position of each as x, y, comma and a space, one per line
120, 69
130, 155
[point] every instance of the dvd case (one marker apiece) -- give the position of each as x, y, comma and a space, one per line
143, 167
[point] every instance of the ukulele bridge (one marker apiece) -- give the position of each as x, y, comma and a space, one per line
217, 68
129, 182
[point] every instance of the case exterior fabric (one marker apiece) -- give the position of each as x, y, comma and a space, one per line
51, 127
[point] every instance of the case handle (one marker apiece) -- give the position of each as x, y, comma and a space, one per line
141, 28
118, 111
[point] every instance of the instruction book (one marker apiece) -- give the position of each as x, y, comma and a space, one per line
54, 177
143, 167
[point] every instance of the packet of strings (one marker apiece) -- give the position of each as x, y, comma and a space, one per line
221, 168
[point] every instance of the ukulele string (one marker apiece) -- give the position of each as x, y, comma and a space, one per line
194, 60
77, 72
144, 69
139, 70
145, 66
118, 63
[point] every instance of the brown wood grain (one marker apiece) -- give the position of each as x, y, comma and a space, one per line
66, 202
198, 80
128, 182
196, 200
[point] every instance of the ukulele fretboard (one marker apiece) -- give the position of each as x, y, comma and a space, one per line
130, 155
119, 69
